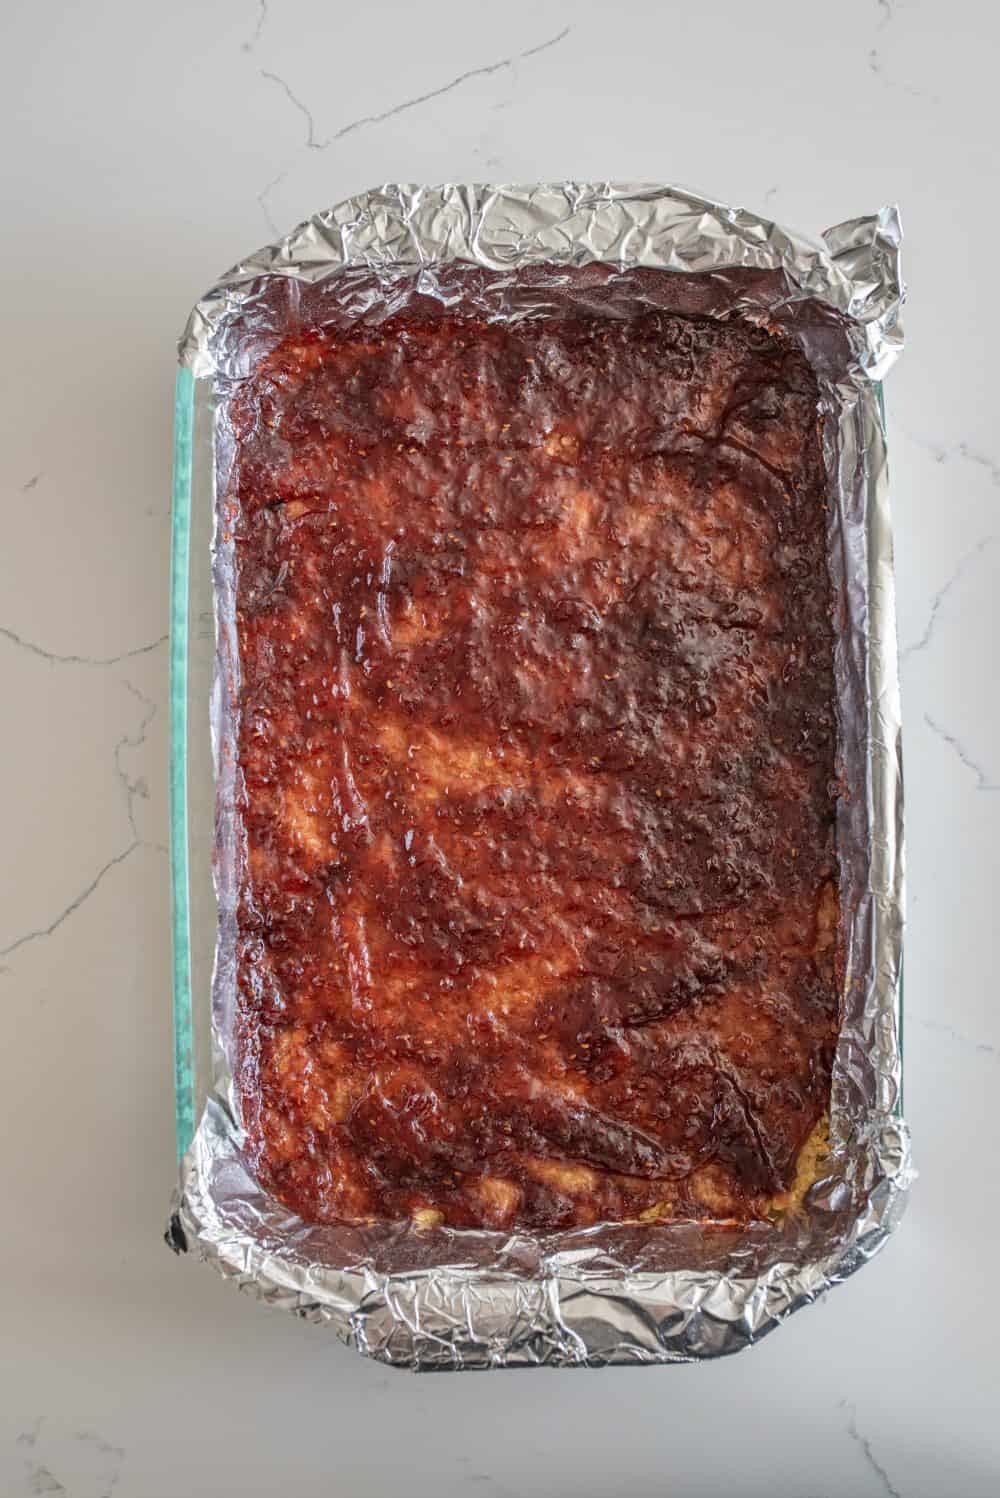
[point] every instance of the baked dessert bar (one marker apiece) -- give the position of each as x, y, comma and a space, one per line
536, 734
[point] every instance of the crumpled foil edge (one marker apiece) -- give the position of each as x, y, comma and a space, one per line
451, 1300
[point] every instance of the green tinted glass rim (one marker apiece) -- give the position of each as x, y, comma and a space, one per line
180, 552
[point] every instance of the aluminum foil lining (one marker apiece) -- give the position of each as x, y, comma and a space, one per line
444, 1299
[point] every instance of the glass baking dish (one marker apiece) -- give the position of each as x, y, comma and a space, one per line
613, 1293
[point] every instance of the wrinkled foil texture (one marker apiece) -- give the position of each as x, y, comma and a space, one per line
622, 1293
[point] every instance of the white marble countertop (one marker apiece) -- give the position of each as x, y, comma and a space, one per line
146, 148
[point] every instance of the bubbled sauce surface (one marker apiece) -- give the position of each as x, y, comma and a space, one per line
536, 733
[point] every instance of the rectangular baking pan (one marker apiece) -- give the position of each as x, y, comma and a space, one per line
457, 1300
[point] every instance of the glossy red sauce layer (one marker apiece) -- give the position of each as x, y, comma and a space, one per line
537, 923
